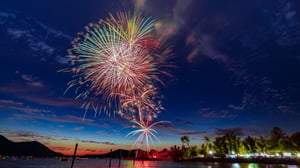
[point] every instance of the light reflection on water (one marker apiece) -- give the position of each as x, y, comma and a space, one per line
103, 163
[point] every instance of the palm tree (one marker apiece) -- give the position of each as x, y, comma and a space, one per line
208, 143
261, 144
220, 146
185, 140
249, 144
231, 137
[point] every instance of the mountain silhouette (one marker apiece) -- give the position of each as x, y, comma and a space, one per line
32, 148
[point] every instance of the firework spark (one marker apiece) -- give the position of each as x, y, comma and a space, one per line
146, 132
143, 103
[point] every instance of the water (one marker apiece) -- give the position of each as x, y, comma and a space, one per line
102, 163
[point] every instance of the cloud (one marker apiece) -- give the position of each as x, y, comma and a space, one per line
33, 42
60, 148
7, 14
42, 47
31, 80
215, 113
21, 135
9, 102
242, 45
96, 142
167, 25
25, 83
16, 33
58, 33
239, 131
204, 45
90, 150
139, 5
104, 133
189, 133
62, 59
18, 88
52, 101
61, 119
40, 39
20, 107
78, 128
288, 109
184, 122
243, 105
171, 129
30, 110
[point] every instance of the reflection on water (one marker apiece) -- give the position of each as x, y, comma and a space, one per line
103, 163
235, 165
252, 165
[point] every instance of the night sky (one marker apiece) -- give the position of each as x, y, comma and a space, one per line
237, 68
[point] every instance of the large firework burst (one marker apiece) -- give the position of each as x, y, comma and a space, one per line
116, 54
120, 60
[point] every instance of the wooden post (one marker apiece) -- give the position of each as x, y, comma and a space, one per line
143, 155
74, 155
120, 158
134, 157
110, 158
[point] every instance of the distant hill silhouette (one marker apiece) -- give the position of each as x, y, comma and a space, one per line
114, 154
33, 148
120, 153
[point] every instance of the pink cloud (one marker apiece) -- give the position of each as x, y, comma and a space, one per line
96, 142
57, 101
78, 128
29, 110
10, 102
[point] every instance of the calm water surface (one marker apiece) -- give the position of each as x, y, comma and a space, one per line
102, 163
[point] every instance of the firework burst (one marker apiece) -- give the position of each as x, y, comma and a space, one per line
115, 55
146, 133
121, 60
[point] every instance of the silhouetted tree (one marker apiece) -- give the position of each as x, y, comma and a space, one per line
185, 140
175, 152
220, 146
295, 140
275, 134
232, 142
208, 145
194, 151
261, 144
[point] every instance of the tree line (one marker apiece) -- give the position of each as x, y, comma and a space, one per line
230, 143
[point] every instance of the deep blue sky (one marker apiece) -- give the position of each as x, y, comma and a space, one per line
238, 65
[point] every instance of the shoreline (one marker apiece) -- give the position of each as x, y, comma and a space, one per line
262, 160
286, 161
